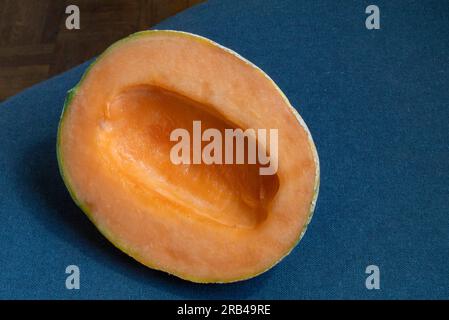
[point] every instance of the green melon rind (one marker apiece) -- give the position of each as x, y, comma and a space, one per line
121, 245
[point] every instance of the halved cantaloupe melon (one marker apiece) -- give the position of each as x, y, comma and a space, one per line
203, 223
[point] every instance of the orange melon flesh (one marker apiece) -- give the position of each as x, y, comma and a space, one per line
203, 223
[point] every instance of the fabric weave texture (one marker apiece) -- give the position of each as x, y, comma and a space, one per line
377, 105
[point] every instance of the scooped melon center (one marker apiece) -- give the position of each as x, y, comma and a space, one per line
134, 135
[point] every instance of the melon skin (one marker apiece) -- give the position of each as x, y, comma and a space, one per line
128, 248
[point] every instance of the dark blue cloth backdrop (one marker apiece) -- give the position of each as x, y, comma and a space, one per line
377, 104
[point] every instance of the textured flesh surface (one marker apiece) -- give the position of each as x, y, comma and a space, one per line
205, 223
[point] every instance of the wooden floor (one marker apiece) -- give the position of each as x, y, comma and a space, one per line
35, 45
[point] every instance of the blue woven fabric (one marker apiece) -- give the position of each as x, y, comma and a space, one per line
377, 104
